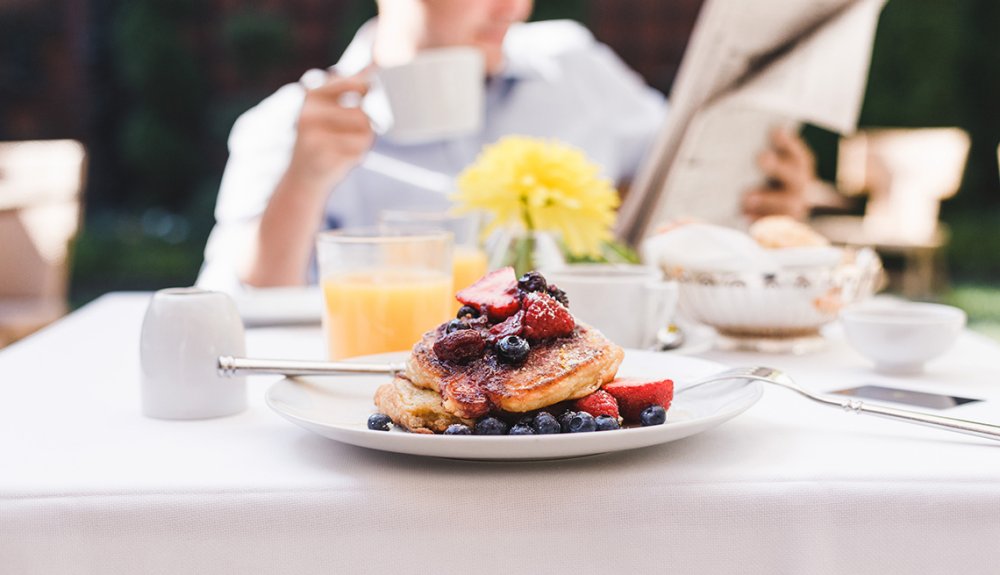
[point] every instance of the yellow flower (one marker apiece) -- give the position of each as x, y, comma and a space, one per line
541, 185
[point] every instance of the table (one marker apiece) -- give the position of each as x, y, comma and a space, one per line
88, 485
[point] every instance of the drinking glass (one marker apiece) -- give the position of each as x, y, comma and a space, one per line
382, 289
469, 262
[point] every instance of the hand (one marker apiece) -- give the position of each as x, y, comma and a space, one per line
331, 138
789, 168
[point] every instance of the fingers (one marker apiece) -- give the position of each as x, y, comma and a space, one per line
781, 172
788, 144
761, 202
333, 105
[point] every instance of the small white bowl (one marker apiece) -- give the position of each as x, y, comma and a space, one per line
900, 337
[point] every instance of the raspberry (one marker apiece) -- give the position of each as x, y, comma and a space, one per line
635, 395
460, 346
598, 403
494, 294
544, 317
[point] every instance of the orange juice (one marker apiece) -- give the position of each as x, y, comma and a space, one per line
468, 265
376, 311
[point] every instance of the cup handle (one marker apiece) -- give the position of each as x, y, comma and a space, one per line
661, 301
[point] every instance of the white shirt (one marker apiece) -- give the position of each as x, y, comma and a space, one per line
558, 82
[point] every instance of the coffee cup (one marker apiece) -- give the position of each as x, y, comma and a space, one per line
438, 94
184, 332
627, 303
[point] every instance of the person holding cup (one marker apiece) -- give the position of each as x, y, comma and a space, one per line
321, 153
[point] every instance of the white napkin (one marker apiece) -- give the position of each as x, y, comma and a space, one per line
708, 247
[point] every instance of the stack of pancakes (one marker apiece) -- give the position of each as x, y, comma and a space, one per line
433, 394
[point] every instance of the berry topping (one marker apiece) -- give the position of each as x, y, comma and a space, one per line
513, 349
514, 325
598, 403
379, 422
582, 422
559, 295
544, 317
653, 415
545, 423
606, 423
634, 395
460, 346
494, 294
521, 429
467, 310
532, 281
455, 325
491, 426
458, 429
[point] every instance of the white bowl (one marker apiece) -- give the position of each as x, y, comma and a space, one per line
901, 337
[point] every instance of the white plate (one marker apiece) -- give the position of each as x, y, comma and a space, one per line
338, 408
280, 306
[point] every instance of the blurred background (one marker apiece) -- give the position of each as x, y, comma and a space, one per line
151, 88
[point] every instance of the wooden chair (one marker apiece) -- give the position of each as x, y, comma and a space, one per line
906, 174
41, 185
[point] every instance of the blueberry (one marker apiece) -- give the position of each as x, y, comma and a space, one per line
564, 420
545, 423
455, 325
532, 281
513, 349
467, 310
606, 423
582, 422
458, 429
653, 415
379, 422
521, 429
491, 426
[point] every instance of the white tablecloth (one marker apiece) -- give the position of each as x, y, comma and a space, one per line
89, 485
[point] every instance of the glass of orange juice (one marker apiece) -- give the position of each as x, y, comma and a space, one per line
469, 262
382, 289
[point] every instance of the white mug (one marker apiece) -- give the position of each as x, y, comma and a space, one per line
184, 332
627, 303
439, 94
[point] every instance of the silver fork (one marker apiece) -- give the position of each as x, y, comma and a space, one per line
780, 378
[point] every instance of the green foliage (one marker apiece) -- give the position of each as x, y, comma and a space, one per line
553, 9
914, 68
257, 42
114, 252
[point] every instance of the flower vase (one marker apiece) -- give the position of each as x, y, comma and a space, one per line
525, 250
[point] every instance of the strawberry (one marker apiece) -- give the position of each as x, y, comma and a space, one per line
513, 325
544, 317
598, 403
495, 294
634, 395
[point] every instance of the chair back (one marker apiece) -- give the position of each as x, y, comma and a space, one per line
906, 173
41, 184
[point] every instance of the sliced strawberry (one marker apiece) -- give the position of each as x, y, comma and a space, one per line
598, 403
514, 325
495, 294
544, 317
634, 395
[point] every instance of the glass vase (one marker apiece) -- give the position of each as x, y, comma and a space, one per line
525, 250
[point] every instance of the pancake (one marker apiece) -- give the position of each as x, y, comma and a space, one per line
418, 410
555, 370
